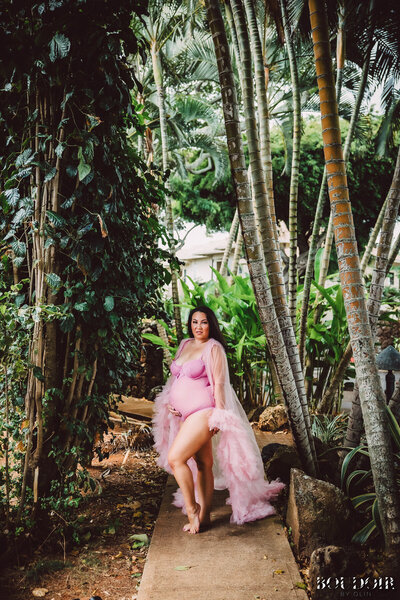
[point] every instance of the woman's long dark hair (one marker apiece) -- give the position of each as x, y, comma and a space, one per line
215, 331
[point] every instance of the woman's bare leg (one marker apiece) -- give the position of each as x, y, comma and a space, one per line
193, 434
205, 480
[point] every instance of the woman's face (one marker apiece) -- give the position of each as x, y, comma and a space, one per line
200, 326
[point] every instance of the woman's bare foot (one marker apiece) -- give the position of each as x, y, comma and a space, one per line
205, 522
194, 520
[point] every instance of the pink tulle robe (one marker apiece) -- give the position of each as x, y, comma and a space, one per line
237, 461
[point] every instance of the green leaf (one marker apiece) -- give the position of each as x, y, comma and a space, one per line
19, 300
19, 248
239, 348
12, 196
37, 371
83, 170
393, 426
317, 263
59, 47
53, 280
81, 306
59, 150
109, 303
55, 218
223, 284
140, 537
50, 174
362, 499
67, 324
326, 295
24, 158
155, 339
361, 536
347, 459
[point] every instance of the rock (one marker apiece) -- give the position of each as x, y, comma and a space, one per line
273, 418
318, 513
331, 569
254, 413
278, 459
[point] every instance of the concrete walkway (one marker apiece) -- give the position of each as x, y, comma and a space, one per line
228, 562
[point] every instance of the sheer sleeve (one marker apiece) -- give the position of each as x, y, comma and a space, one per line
220, 374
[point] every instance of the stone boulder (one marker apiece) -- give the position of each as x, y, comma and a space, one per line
331, 569
273, 418
278, 460
254, 413
318, 513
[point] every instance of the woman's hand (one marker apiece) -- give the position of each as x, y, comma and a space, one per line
172, 410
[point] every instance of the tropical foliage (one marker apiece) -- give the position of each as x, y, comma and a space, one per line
80, 265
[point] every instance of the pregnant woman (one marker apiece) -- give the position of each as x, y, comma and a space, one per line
203, 435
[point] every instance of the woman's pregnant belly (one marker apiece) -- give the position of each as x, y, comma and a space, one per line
190, 395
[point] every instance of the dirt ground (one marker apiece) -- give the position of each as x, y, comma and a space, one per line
108, 561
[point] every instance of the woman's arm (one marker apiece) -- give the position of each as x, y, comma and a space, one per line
220, 374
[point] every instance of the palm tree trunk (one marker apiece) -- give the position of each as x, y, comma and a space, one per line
158, 78
229, 244
340, 46
254, 252
263, 109
388, 220
393, 254
371, 394
394, 402
269, 243
373, 237
294, 175
347, 146
238, 252
355, 425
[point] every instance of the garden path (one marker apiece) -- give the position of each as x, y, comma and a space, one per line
228, 562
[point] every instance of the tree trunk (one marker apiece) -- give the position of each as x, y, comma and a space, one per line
388, 220
393, 254
263, 110
340, 49
229, 244
294, 174
371, 394
269, 243
158, 78
254, 253
238, 252
355, 427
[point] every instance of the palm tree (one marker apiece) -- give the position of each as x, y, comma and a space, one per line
253, 249
354, 428
343, 17
371, 395
269, 243
294, 174
158, 32
229, 244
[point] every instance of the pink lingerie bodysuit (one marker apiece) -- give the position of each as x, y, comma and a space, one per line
191, 390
